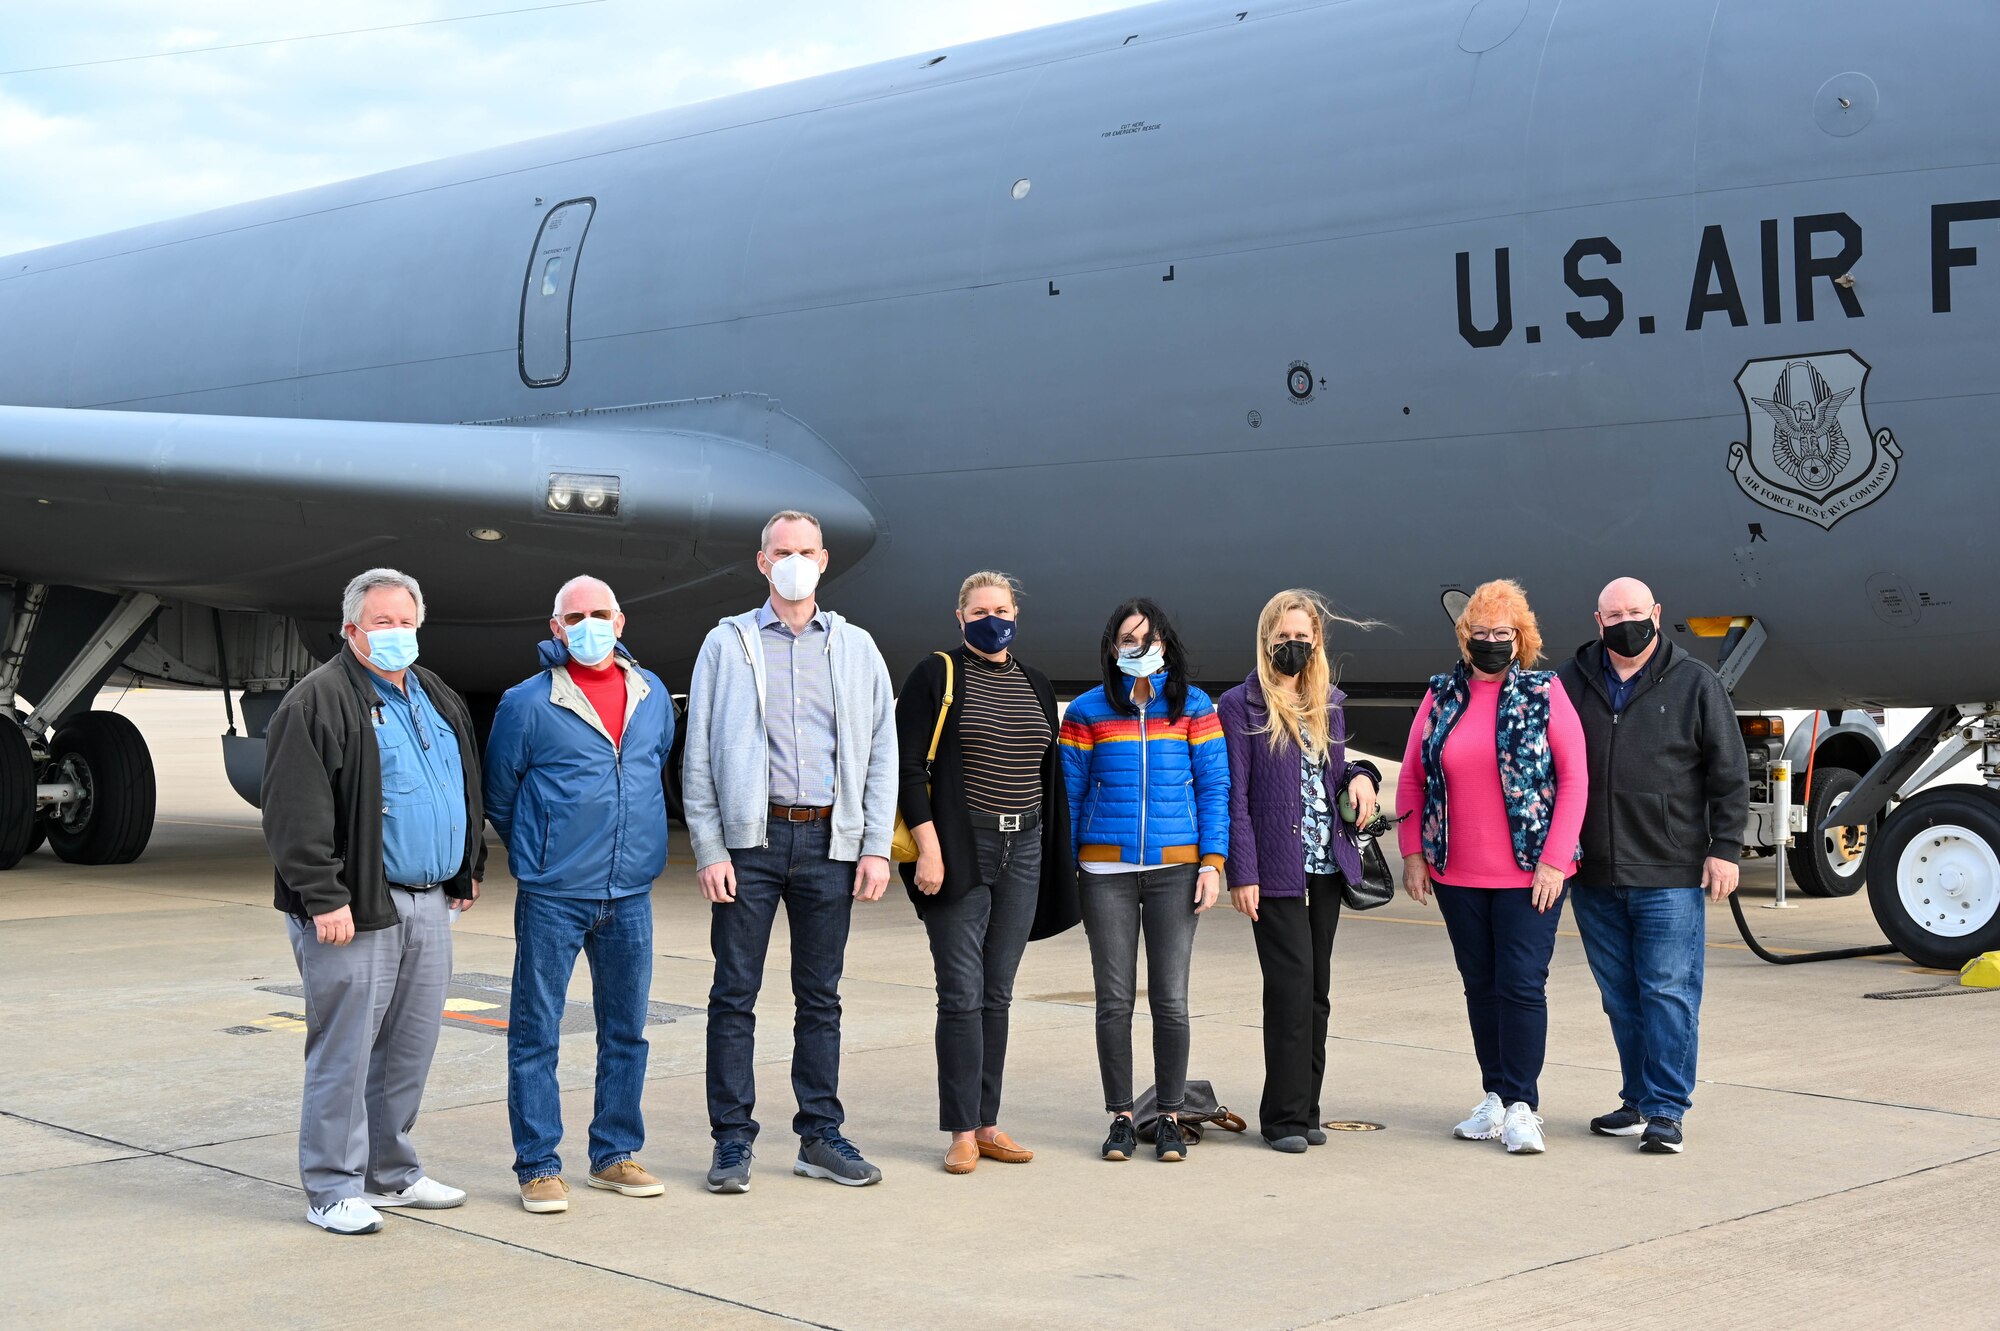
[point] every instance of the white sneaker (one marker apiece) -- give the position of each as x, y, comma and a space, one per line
1484, 1125
1522, 1132
349, 1215
426, 1194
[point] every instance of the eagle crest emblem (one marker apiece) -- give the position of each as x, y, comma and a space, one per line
1809, 451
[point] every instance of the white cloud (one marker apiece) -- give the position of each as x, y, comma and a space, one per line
111, 145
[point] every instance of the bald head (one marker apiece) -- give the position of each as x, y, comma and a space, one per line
1625, 598
586, 594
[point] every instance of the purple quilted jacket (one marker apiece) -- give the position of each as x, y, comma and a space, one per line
1265, 846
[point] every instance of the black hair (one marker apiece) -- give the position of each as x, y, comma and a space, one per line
1170, 644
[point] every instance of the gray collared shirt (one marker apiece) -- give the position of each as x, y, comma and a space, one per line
798, 709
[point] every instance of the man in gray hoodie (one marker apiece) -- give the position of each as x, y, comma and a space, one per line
789, 787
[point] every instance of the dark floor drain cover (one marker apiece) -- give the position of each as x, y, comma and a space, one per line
1351, 1125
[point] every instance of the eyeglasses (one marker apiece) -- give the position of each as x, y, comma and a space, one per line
575, 617
1492, 635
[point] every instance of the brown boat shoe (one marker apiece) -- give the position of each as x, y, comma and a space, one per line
962, 1157
1004, 1149
628, 1178
545, 1196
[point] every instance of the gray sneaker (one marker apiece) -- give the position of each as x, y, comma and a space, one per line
836, 1160
731, 1170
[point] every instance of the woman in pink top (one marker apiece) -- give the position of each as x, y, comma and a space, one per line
1496, 765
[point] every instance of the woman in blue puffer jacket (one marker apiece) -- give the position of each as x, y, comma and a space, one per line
1148, 776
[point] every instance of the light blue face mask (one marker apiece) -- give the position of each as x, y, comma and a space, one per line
1143, 664
392, 649
591, 640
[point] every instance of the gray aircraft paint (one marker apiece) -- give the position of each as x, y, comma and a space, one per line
828, 293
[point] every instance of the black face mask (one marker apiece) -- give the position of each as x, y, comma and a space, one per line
1629, 637
1291, 658
1490, 657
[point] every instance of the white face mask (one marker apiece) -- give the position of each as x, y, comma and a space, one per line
795, 576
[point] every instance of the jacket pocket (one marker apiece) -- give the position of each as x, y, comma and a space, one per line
1090, 811
1644, 829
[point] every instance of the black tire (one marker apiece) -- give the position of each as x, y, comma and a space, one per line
17, 794
1973, 852
104, 754
1835, 863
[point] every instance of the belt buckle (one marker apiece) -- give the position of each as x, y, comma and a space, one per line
1010, 822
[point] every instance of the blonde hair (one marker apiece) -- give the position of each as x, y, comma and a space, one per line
987, 578
1298, 706
1501, 601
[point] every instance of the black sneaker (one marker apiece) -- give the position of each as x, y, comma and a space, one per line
730, 1171
1169, 1143
1663, 1137
1624, 1121
835, 1160
1123, 1143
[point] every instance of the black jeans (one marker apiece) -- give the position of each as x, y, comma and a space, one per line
1295, 951
1115, 907
818, 893
1503, 949
977, 942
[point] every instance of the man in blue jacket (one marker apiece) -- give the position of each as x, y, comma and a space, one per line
573, 785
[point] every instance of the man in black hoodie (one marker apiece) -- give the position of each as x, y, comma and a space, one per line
1669, 797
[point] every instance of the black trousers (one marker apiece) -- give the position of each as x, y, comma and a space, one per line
1295, 951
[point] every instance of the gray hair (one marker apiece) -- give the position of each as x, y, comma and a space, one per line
374, 580
788, 515
581, 580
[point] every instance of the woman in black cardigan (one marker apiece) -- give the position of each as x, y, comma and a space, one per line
991, 823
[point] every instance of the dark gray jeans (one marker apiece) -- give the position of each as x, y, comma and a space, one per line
977, 942
1115, 908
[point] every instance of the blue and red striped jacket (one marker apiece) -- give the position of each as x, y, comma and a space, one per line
1156, 793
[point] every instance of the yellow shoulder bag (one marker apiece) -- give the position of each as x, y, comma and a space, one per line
903, 848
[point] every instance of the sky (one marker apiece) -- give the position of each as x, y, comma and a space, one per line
122, 141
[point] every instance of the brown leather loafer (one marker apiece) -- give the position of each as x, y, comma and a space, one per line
962, 1158
1004, 1149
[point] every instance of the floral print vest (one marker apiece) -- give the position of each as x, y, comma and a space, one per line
1527, 767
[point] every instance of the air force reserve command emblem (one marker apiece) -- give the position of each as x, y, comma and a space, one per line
1809, 451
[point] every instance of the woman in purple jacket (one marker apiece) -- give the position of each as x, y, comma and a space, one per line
1289, 848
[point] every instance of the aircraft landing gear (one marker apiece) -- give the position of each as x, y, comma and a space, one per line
1833, 863
17, 794
1934, 867
101, 775
1934, 880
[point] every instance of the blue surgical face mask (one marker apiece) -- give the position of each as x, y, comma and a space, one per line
989, 634
1142, 662
590, 640
392, 649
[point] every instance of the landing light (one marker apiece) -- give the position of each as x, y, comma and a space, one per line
487, 534
588, 496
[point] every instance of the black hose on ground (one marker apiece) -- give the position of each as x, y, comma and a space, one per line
1800, 958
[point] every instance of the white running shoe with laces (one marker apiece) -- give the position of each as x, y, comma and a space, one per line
426, 1194
1484, 1125
1522, 1131
349, 1215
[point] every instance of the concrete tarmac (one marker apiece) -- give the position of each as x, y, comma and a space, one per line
1841, 1161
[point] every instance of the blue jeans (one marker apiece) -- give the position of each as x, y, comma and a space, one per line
617, 938
1503, 948
1647, 947
818, 893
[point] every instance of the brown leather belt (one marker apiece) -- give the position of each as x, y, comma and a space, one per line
801, 813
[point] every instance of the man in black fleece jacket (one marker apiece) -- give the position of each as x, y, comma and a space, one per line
1669, 797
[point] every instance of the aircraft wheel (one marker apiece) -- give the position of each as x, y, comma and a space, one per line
1934, 876
110, 821
17, 795
1832, 863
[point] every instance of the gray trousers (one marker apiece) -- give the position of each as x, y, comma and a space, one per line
1117, 908
373, 1010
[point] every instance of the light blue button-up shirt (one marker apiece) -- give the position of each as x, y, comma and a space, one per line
423, 786
798, 709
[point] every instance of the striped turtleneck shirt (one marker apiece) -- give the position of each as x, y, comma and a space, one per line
1004, 735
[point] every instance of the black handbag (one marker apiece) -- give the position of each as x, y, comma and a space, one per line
1378, 884
1198, 1111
